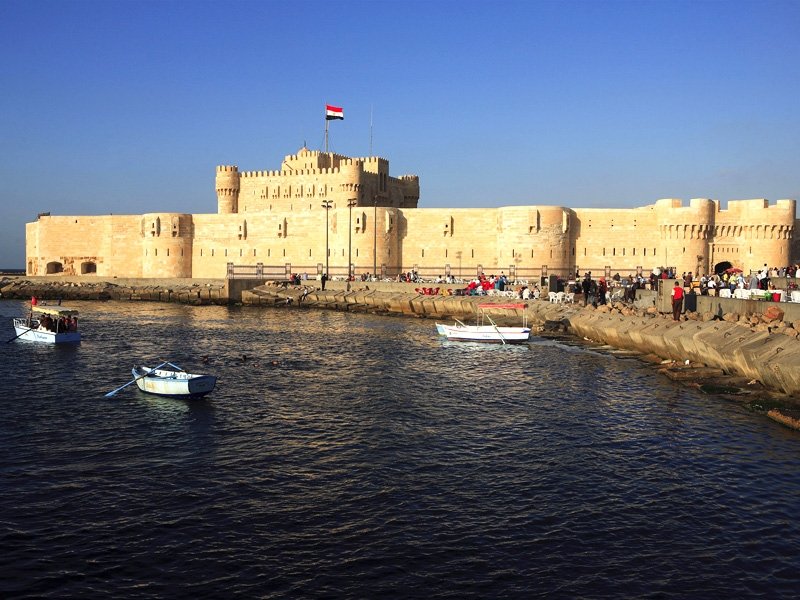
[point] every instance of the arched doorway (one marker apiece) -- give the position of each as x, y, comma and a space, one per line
722, 266
88, 268
54, 267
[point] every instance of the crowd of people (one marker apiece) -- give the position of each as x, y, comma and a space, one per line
733, 278
601, 290
60, 325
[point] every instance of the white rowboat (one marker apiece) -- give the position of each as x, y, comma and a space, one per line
486, 333
491, 333
176, 384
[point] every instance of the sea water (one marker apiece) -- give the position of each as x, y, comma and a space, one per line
355, 456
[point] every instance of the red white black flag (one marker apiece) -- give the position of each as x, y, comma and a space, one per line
333, 112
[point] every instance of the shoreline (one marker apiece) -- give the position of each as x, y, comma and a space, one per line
752, 360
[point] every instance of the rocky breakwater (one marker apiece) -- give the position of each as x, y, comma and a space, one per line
184, 291
364, 299
715, 354
757, 347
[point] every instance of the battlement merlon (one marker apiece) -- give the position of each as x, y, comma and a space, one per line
758, 211
706, 211
761, 204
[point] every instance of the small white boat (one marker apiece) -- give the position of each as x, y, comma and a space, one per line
491, 333
49, 325
176, 384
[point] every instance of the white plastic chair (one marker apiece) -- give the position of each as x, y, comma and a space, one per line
552, 296
559, 297
795, 295
726, 293
569, 298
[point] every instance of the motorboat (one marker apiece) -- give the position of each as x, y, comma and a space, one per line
49, 325
486, 330
173, 383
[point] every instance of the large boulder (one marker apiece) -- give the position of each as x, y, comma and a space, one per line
773, 313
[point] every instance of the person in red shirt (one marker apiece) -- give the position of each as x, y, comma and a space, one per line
677, 301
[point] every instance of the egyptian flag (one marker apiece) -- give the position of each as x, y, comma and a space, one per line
333, 112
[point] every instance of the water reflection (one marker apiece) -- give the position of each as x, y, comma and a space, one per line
351, 452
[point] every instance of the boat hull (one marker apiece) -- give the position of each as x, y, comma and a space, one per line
484, 333
173, 384
46, 337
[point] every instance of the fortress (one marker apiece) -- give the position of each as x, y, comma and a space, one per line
321, 209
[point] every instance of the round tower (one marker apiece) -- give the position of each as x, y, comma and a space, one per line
551, 235
685, 233
227, 189
350, 181
166, 245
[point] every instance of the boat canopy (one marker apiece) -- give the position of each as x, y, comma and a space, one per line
509, 306
56, 311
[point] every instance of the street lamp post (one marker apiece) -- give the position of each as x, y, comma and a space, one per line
326, 204
375, 237
350, 204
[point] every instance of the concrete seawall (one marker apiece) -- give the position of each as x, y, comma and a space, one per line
185, 291
770, 357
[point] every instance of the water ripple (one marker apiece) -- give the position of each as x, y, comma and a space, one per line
352, 456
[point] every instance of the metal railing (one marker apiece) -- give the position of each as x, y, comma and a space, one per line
257, 271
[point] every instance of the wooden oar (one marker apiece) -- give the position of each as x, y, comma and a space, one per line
20, 335
113, 392
496, 329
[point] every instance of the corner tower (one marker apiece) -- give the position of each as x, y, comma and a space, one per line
686, 232
227, 189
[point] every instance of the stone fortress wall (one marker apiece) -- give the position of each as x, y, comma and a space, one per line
278, 219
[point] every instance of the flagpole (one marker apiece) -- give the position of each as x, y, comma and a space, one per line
326, 134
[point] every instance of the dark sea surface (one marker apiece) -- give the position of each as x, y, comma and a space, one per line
354, 456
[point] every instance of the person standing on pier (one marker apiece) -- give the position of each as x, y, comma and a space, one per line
677, 301
585, 285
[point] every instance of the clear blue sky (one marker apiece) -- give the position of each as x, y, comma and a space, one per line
126, 107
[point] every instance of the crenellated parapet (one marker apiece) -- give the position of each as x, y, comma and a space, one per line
313, 176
